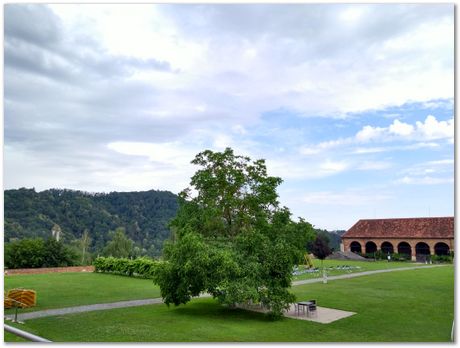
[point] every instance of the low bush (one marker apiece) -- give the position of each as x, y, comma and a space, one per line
441, 258
380, 255
140, 267
400, 257
36, 253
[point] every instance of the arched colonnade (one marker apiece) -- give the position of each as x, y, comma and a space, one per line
414, 248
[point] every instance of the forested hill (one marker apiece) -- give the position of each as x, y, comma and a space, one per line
144, 215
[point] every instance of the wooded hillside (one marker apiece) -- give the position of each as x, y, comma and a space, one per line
144, 215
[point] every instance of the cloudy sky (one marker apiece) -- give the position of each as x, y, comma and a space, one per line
352, 105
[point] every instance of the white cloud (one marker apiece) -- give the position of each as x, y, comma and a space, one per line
239, 129
369, 133
420, 134
221, 141
430, 129
346, 198
368, 150
332, 167
352, 14
313, 150
168, 153
441, 162
292, 168
401, 128
426, 180
430, 167
434, 129
428, 173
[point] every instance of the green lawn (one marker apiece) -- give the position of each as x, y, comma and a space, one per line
408, 306
57, 290
9, 337
362, 266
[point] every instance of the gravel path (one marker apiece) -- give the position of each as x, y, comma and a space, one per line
135, 303
90, 308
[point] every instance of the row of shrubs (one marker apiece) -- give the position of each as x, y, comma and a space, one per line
141, 267
380, 255
442, 258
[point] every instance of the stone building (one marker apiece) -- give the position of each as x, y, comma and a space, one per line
418, 237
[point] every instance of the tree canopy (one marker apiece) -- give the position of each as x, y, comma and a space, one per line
119, 246
231, 237
320, 247
34, 253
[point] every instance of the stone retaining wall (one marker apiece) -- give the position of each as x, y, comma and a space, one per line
49, 270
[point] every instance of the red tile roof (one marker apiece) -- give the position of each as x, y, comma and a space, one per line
437, 227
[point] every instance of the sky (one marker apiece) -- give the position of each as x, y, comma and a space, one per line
351, 105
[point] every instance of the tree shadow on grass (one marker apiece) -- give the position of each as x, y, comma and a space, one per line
211, 309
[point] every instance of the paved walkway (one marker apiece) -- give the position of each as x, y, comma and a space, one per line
360, 274
135, 303
89, 308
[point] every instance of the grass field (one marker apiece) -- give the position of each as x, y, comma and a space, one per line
57, 290
408, 306
361, 266
9, 337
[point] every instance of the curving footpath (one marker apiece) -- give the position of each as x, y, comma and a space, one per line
135, 303
360, 274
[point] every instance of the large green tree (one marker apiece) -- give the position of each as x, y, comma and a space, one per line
119, 245
231, 237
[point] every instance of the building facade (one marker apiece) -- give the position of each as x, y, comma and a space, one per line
417, 237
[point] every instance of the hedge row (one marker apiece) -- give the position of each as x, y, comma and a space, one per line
442, 258
140, 267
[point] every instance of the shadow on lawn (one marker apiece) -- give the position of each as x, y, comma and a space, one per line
210, 309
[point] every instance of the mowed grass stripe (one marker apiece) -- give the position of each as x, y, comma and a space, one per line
406, 306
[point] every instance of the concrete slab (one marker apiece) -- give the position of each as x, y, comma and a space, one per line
323, 315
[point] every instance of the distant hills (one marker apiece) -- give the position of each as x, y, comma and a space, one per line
144, 215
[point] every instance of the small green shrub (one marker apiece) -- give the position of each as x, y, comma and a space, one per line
441, 258
141, 267
400, 257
